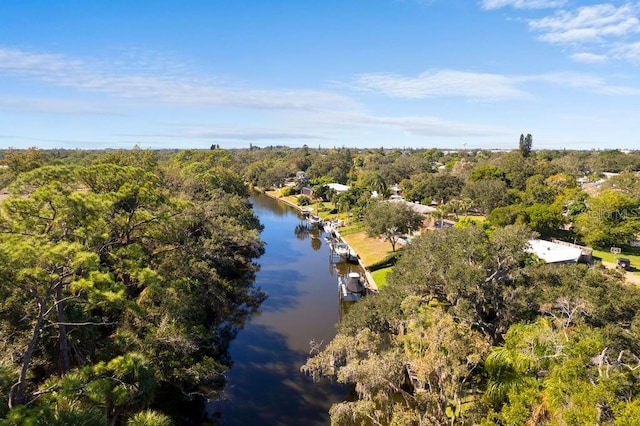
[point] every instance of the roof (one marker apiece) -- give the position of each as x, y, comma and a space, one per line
338, 187
553, 252
417, 207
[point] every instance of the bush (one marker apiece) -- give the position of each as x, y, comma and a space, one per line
289, 190
303, 200
387, 262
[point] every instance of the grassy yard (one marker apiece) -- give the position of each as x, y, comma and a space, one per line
380, 276
606, 256
370, 250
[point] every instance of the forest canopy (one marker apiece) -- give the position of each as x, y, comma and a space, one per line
122, 280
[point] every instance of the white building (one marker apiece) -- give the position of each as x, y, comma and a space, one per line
338, 187
553, 252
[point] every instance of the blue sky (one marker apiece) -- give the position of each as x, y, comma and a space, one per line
332, 73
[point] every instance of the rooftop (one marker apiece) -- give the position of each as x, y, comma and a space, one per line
553, 252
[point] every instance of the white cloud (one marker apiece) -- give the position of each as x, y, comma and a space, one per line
140, 84
440, 83
447, 83
587, 82
51, 105
435, 126
629, 51
522, 4
589, 24
589, 58
249, 134
413, 125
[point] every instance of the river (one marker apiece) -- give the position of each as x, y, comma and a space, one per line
265, 385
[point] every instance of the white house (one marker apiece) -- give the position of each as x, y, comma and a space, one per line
338, 187
553, 252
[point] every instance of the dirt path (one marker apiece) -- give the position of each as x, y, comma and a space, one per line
631, 277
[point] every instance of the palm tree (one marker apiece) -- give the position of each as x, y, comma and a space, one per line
455, 205
465, 205
437, 215
445, 210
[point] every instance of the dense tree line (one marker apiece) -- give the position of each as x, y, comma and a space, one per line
122, 281
538, 189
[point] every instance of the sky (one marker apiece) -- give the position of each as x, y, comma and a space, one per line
449, 74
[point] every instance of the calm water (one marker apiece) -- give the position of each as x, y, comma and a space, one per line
265, 386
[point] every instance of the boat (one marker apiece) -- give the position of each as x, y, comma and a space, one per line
342, 250
352, 287
314, 220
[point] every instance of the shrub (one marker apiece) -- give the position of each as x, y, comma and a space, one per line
303, 200
289, 190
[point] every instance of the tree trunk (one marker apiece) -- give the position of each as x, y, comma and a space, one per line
65, 363
16, 394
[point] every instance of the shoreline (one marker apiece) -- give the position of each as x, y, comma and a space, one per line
367, 273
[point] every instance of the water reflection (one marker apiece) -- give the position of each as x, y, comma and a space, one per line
316, 243
268, 388
302, 231
265, 386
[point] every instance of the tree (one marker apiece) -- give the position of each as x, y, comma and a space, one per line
507, 215
391, 221
611, 220
23, 161
526, 143
443, 356
486, 194
487, 172
40, 275
117, 280
538, 190
545, 219
374, 181
627, 183
474, 274
516, 167
470, 330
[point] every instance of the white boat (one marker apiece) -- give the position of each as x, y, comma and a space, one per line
342, 250
352, 287
313, 220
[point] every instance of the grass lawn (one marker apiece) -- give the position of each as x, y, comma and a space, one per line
606, 256
352, 229
380, 276
370, 250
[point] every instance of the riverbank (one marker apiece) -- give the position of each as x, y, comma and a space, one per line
368, 251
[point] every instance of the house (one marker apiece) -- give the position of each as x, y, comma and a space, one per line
555, 253
417, 207
587, 252
338, 187
396, 192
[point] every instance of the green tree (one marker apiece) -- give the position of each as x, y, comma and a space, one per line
526, 143
109, 269
374, 181
547, 220
18, 161
487, 172
486, 194
391, 221
611, 220
627, 183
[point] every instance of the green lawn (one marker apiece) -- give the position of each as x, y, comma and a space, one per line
606, 256
370, 250
380, 276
